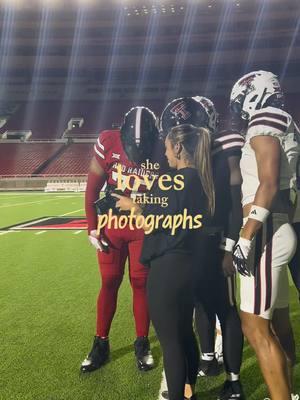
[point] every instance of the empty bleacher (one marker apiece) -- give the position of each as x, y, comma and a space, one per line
25, 158
49, 119
74, 160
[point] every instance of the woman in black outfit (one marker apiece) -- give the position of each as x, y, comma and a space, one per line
172, 258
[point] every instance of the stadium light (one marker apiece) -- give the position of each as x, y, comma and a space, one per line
50, 3
6, 44
145, 65
216, 55
72, 66
290, 49
182, 49
13, 3
259, 22
43, 40
110, 68
82, 3
38, 64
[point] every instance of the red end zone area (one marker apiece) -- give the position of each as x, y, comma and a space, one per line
51, 223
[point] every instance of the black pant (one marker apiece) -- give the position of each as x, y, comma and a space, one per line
215, 295
170, 299
294, 264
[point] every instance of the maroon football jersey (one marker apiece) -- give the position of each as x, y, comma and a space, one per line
109, 153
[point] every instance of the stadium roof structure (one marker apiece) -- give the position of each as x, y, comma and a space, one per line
152, 48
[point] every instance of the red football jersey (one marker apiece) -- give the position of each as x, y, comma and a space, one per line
109, 152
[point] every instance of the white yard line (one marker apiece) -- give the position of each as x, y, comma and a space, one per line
28, 202
39, 220
40, 232
66, 196
5, 232
72, 212
30, 222
77, 232
163, 386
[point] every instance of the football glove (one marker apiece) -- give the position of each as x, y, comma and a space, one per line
98, 242
240, 255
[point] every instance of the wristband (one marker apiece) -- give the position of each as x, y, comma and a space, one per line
258, 213
227, 244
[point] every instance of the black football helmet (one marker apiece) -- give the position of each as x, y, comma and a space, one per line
139, 133
198, 111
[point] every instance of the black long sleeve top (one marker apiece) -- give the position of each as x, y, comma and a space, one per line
193, 199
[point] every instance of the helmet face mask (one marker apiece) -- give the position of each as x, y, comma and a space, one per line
213, 116
252, 92
139, 133
198, 111
236, 108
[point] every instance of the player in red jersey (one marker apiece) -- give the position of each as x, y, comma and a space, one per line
128, 147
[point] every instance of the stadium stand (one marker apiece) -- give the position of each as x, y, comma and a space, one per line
49, 119
56, 151
25, 158
74, 160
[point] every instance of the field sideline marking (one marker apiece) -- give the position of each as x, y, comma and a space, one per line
5, 232
30, 222
40, 232
76, 233
39, 220
72, 212
163, 386
25, 204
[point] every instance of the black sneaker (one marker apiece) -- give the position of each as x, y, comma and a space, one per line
209, 368
97, 356
144, 358
232, 391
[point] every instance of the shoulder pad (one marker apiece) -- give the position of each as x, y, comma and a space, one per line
227, 141
106, 141
269, 121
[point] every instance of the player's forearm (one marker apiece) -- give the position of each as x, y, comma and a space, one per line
264, 198
235, 216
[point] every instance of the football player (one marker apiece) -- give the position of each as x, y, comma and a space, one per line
267, 241
215, 289
128, 147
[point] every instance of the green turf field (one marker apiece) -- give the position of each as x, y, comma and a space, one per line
48, 286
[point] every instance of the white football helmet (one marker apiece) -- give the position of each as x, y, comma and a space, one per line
213, 116
252, 92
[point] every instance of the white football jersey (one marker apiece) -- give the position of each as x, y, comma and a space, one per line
277, 123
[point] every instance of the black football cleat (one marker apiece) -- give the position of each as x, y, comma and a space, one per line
232, 391
144, 358
97, 357
209, 368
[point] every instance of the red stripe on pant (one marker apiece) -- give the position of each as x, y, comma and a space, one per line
124, 243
